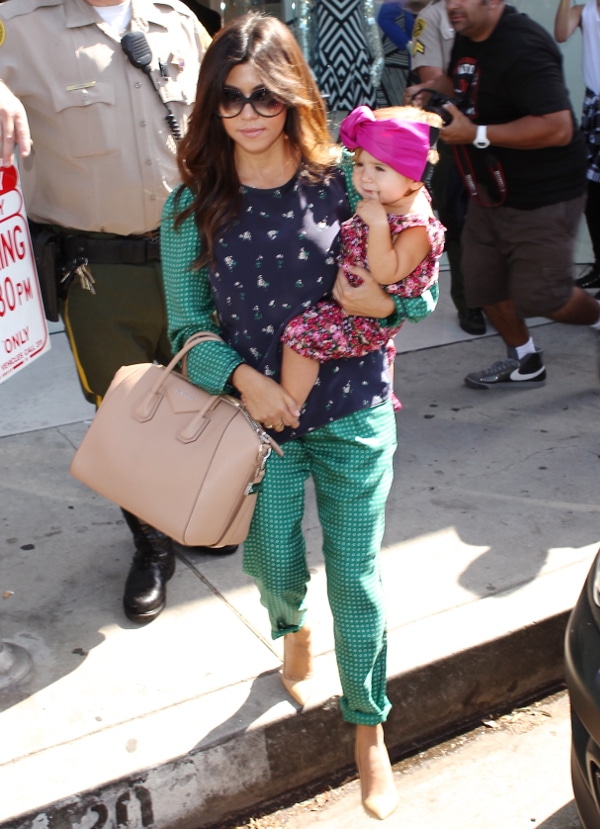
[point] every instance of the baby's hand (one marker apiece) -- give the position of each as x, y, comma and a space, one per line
372, 212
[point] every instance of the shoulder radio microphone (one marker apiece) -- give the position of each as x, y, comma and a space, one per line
137, 49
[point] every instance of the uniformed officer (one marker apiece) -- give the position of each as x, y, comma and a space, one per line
96, 136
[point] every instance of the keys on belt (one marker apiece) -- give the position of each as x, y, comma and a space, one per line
75, 252
78, 267
79, 250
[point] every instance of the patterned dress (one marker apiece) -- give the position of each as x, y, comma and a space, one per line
326, 332
343, 59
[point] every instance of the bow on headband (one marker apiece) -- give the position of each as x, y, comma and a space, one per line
402, 145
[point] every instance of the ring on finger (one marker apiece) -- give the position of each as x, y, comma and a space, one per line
280, 426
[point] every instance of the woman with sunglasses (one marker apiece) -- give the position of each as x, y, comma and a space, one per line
249, 240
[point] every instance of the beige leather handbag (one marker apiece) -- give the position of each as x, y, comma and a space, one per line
186, 462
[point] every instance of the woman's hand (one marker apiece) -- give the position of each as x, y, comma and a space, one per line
265, 400
365, 300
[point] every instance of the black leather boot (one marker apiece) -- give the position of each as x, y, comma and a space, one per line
152, 567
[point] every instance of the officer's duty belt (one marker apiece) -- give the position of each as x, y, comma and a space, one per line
115, 250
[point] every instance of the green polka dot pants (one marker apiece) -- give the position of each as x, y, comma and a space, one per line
350, 462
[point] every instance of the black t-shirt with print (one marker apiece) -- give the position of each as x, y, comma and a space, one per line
516, 72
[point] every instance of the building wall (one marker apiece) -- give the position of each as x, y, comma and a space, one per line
544, 12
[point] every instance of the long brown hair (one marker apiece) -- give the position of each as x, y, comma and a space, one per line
205, 154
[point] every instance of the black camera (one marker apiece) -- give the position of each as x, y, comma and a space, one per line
435, 103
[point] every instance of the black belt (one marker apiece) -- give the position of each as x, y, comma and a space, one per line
108, 250
119, 250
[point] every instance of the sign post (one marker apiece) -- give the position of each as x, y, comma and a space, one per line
23, 328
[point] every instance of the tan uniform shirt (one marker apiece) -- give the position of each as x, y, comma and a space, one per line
103, 157
433, 37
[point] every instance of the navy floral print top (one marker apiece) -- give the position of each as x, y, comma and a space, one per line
279, 257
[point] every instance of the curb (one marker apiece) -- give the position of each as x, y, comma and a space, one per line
234, 776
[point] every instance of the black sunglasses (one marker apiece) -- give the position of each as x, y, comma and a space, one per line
262, 101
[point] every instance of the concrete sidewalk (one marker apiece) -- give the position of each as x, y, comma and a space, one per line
491, 531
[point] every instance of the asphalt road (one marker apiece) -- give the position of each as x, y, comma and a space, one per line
510, 773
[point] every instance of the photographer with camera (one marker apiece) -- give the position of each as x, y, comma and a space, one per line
97, 162
523, 162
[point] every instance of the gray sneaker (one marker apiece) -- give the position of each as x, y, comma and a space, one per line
529, 372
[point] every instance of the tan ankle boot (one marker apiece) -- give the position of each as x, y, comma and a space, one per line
378, 790
297, 672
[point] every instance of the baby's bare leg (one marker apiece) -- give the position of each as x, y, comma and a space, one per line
298, 374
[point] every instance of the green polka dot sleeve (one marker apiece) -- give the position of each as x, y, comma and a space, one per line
190, 306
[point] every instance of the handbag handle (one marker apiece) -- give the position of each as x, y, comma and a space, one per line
146, 409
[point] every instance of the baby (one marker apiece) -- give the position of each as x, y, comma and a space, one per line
394, 234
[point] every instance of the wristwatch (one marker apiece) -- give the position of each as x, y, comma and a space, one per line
481, 140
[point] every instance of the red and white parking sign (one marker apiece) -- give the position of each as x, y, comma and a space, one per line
23, 329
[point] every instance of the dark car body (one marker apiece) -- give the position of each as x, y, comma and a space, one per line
582, 669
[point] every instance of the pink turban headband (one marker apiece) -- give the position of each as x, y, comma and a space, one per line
402, 145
